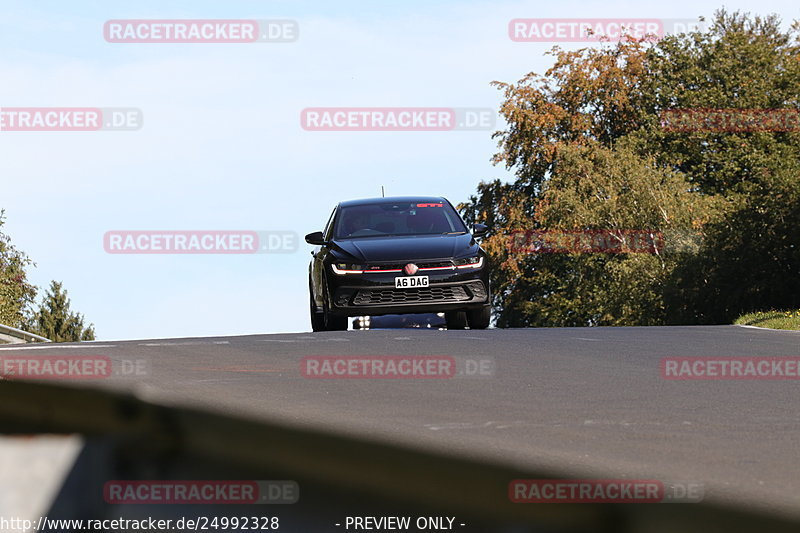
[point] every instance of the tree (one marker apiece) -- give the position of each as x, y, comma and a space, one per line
742, 62
589, 150
55, 321
16, 294
594, 188
750, 259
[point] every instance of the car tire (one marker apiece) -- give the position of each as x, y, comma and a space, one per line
479, 318
335, 322
331, 322
317, 318
456, 319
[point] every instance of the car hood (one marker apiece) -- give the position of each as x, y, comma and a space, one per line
405, 248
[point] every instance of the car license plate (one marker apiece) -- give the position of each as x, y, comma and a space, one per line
409, 282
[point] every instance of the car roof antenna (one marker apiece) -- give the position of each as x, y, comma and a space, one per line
383, 195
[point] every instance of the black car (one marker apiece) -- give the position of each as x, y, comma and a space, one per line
394, 256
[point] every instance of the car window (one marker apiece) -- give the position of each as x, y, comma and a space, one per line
327, 231
404, 218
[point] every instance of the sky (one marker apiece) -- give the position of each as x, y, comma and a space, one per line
221, 145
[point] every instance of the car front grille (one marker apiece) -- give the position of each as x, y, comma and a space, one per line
395, 296
399, 266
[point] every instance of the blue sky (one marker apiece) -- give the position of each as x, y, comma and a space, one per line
222, 148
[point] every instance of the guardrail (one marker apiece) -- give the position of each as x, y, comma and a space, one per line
18, 336
131, 436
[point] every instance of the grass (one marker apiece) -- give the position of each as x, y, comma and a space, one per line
771, 319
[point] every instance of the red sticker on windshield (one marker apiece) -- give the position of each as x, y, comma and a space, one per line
430, 205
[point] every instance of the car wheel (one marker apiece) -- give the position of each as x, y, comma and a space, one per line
317, 318
479, 318
455, 319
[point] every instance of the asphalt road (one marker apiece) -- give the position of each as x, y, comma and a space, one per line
590, 402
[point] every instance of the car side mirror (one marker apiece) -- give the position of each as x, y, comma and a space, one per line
316, 238
479, 230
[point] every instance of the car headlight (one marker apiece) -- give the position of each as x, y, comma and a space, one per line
347, 268
469, 262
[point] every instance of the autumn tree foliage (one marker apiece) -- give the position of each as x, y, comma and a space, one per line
53, 318
16, 293
589, 150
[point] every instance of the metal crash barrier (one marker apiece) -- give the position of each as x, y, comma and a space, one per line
16, 336
126, 438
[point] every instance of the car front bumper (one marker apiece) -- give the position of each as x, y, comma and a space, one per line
375, 294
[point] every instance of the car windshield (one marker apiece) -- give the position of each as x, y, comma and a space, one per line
397, 218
